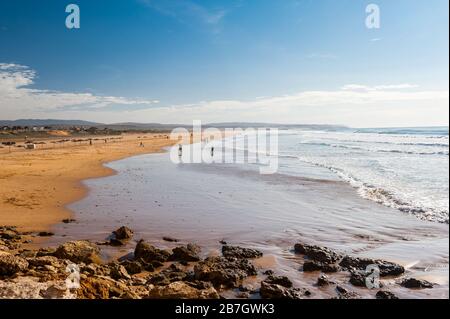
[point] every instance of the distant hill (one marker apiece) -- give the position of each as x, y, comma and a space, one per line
48, 122
159, 126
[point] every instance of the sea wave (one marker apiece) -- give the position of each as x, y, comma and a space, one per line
359, 148
386, 197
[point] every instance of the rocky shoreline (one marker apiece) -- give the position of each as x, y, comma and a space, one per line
75, 270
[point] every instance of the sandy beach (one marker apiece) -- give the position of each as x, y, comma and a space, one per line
36, 185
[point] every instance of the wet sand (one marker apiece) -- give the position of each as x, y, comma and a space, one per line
36, 185
209, 203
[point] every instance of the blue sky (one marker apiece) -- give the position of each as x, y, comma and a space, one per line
290, 61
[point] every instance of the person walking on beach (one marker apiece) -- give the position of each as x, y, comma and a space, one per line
212, 151
180, 150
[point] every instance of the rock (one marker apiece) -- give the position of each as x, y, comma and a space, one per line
346, 294
316, 253
68, 220
100, 287
386, 268
312, 265
123, 233
239, 252
45, 252
243, 295
324, 281
274, 291
170, 239
185, 253
45, 234
149, 253
118, 271
78, 251
10, 264
184, 290
32, 288
382, 294
9, 233
119, 237
223, 271
416, 283
44, 261
169, 275
358, 278
133, 266
54, 291
268, 272
279, 280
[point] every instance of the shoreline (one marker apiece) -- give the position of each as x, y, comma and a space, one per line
32, 204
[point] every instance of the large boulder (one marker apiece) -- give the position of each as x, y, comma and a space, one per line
386, 268
184, 290
223, 271
10, 264
149, 253
239, 252
78, 252
186, 253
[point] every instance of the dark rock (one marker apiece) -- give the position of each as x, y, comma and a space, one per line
185, 253
78, 251
118, 271
170, 239
268, 272
279, 280
312, 265
68, 220
133, 266
274, 291
10, 264
239, 252
358, 278
223, 271
223, 242
416, 283
46, 234
386, 268
45, 252
382, 294
149, 253
9, 233
346, 294
323, 281
316, 253
123, 233
168, 276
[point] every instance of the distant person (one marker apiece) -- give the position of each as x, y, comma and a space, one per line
180, 150
212, 151
141, 145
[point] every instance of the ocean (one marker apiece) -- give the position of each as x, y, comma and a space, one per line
403, 168
369, 193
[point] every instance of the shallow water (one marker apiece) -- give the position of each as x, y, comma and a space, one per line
208, 203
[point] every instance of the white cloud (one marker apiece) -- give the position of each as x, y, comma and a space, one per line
354, 105
17, 97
